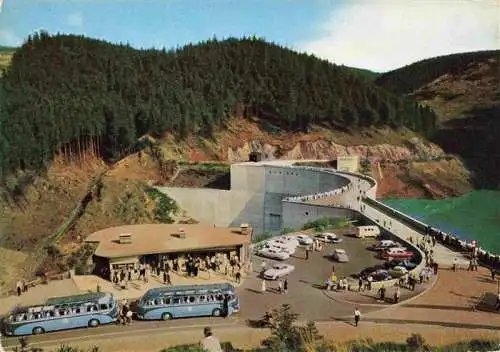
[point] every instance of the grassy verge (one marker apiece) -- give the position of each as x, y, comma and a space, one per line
326, 223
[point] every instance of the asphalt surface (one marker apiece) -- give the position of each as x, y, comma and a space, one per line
304, 295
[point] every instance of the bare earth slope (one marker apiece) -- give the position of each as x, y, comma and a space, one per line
467, 104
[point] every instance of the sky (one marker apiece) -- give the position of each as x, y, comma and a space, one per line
379, 35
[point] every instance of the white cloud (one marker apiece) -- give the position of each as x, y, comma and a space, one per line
385, 34
8, 38
75, 19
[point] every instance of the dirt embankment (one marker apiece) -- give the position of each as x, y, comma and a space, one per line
411, 167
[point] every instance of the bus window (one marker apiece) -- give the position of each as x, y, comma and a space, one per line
157, 302
77, 311
202, 299
176, 300
220, 297
166, 300
185, 299
192, 299
104, 306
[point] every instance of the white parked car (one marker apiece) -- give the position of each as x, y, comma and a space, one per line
291, 240
326, 237
384, 244
304, 240
287, 242
280, 247
277, 271
274, 253
340, 255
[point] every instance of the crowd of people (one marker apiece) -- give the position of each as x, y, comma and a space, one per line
188, 265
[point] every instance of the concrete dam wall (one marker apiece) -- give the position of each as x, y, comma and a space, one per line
256, 195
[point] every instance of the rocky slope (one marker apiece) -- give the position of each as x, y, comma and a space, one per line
413, 167
465, 94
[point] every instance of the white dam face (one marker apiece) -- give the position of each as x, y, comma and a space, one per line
258, 196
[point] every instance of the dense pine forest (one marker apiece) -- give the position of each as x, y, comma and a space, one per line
67, 94
411, 77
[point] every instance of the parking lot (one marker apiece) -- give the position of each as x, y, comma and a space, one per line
304, 292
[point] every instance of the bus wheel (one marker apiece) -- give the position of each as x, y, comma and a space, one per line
216, 312
166, 316
38, 330
93, 323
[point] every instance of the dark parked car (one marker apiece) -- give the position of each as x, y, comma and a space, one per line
381, 275
365, 272
399, 262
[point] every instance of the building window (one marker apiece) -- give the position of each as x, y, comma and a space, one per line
307, 213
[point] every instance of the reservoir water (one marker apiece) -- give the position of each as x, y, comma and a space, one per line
474, 216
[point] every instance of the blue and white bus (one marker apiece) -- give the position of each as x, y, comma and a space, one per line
60, 313
166, 303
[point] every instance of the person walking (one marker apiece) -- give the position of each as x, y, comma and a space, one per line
397, 295
225, 306
280, 286
210, 343
263, 286
19, 287
285, 285
493, 273
164, 277
360, 284
498, 302
357, 316
238, 276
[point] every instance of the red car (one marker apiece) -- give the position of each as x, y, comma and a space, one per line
397, 253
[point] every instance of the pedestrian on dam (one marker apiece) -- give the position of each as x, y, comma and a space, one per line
397, 295
493, 273
285, 285
263, 286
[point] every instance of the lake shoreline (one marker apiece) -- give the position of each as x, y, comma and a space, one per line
473, 216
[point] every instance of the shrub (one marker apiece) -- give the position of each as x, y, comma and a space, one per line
285, 335
165, 206
287, 230
262, 237
325, 223
416, 342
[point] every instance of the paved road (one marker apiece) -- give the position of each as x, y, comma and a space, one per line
113, 331
304, 294
443, 255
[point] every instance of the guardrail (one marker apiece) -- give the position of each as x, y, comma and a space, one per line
406, 219
317, 195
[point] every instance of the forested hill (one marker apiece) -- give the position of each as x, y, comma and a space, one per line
64, 94
411, 77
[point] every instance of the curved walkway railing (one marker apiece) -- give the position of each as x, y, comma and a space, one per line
406, 220
448, 240
317, 195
